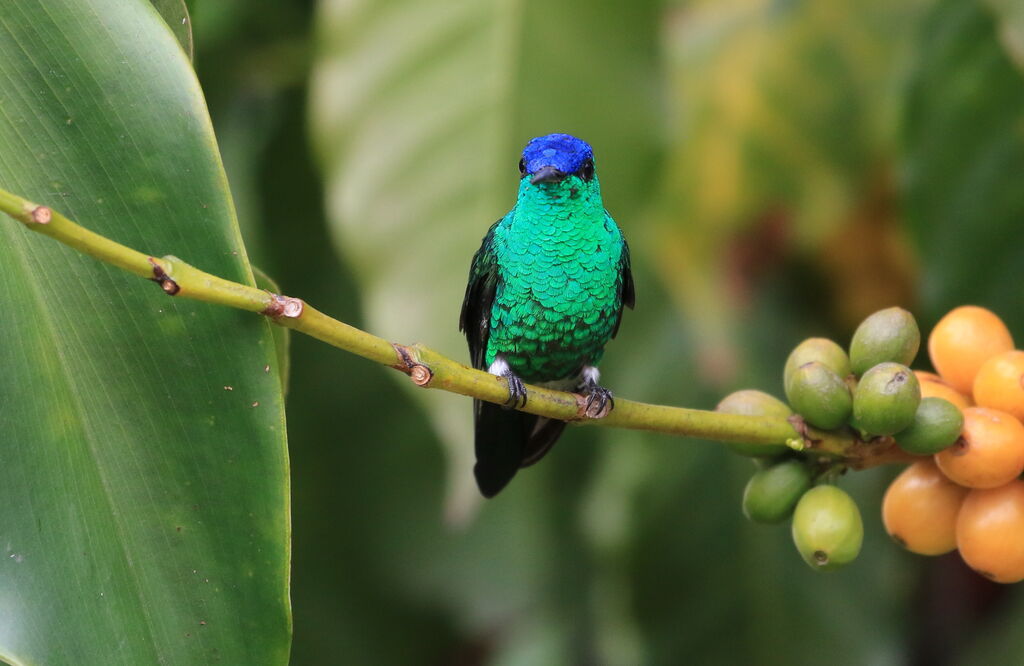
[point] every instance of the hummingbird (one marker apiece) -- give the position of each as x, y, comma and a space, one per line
546, 293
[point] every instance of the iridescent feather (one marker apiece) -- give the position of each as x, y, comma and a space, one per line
546, 292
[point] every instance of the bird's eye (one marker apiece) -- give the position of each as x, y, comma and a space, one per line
587, 170
522, 167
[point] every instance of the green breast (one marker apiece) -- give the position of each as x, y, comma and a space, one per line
557, 298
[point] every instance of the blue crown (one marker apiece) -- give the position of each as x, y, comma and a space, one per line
562, 151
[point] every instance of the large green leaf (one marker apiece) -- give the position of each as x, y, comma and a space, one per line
965, 154
175, 14
143, 483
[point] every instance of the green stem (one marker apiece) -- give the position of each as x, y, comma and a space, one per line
430, 369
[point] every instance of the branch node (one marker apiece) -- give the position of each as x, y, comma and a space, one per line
403, 353
806, 441
284, 306
419, 373
41, 215
796, 443
585, 408
161, 277
581, 407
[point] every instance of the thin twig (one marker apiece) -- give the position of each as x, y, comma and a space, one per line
429, 369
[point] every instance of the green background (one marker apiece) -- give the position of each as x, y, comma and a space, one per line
781, 169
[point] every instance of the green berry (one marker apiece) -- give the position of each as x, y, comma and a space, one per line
827, 528
889, 335
937, 424
819, 395
822, 350
755, 403
772, 492
886, 399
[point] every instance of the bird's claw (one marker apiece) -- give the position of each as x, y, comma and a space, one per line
599, 401
516, 392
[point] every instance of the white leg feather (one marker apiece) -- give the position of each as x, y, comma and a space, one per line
499, 368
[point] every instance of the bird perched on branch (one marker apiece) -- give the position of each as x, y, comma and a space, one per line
546, 292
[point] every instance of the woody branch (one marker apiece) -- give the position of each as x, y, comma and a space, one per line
430, 369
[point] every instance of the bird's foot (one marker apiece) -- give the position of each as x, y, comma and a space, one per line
599, 399
599, 402
516, 391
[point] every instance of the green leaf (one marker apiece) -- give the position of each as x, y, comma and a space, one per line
143, 485
965, 154
175, 14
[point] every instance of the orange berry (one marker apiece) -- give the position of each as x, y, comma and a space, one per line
990, 532
920, 509
963, 340
1000, 383
932, 386
989, 453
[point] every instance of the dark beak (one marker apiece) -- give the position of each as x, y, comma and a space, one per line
546, 174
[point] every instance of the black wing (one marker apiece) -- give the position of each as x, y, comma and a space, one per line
499, 433
505, 440
475, 318
627, 292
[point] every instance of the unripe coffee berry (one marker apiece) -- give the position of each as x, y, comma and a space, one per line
820, 396
827, 528
772, 492
822, 350
936, 425
886, 399
889, 335
751, 402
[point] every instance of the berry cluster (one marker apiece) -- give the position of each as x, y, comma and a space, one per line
963, 425
968, 496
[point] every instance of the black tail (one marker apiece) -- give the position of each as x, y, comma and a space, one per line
507, 440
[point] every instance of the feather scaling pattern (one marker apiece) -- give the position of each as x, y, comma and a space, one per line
545, 295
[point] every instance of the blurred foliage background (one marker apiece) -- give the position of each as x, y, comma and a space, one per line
781, 168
